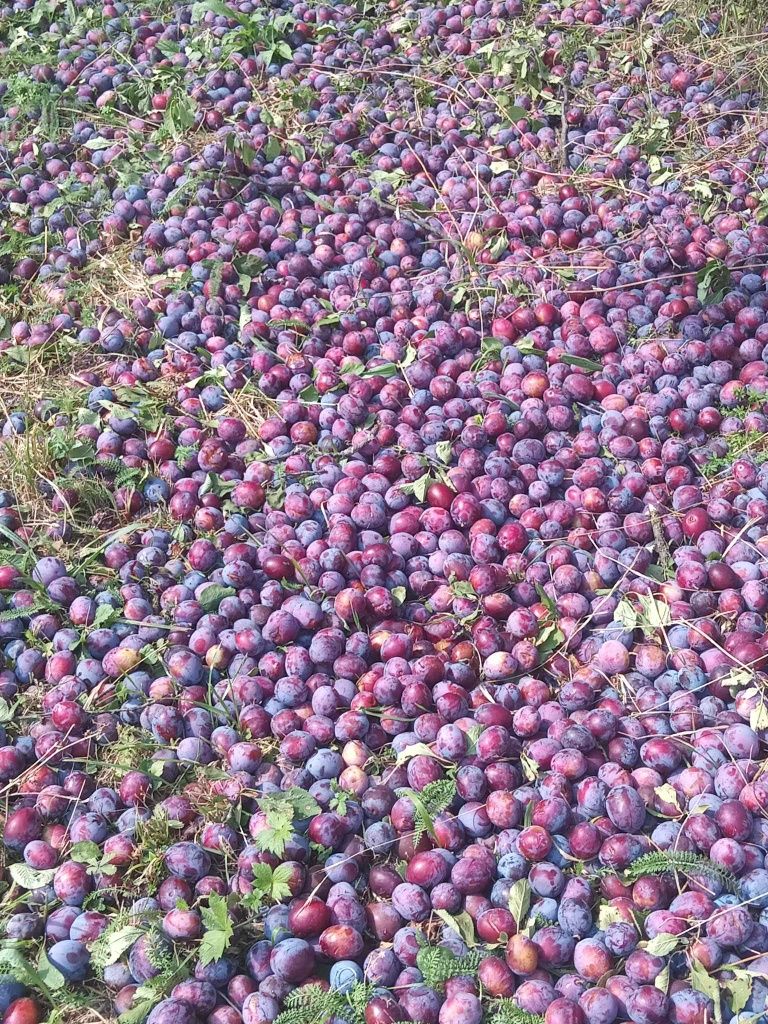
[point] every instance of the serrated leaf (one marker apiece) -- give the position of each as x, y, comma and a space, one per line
85, 852
704, 982
662, 944
583, 364
739, 988
662, 980
418, 488
529, 766
461, 923
608, 915
50, 977
105, 616
758, 717
7, 711
443, 450
31, 878
414, 750
668, 794
656, 614
213, 595
280, 889
219, 930
139, 1011
519, 901
109, 947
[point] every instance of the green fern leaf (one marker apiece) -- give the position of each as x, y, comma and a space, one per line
661, 863
504, 1011
38, 605
436, 797
438, 964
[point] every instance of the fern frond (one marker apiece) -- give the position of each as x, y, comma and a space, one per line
312, 1004
38, 605
160, 953
116, 939
505, 1011
663, 862
356, 1001
438, 964
436, 797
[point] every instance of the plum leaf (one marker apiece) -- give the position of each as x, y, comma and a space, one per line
662, 944
702, 981
461, 923
213, 595
30, 878
519, 901
739, 988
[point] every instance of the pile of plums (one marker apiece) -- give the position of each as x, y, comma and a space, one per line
395, 572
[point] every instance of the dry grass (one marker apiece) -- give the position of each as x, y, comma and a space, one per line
114, 280
250, 405
98, 1011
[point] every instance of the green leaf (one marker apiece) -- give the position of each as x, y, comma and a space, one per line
218, 930
583, 364
529, 766
461, 923
105, 616
7, 711
281, 809
526, 347
399, 594
280, 889
625, 614
30, 878
444, 450
608, 915
50, 976
85, 853
418, 488
414, 750
739, 988
668, 794
180, 114
713, 281
655, 614
758, 717
661, 981
111, 944
139, 1011
662, 944
519, 901
463, 588
276, 836
703, 981
550, 637
212, 596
